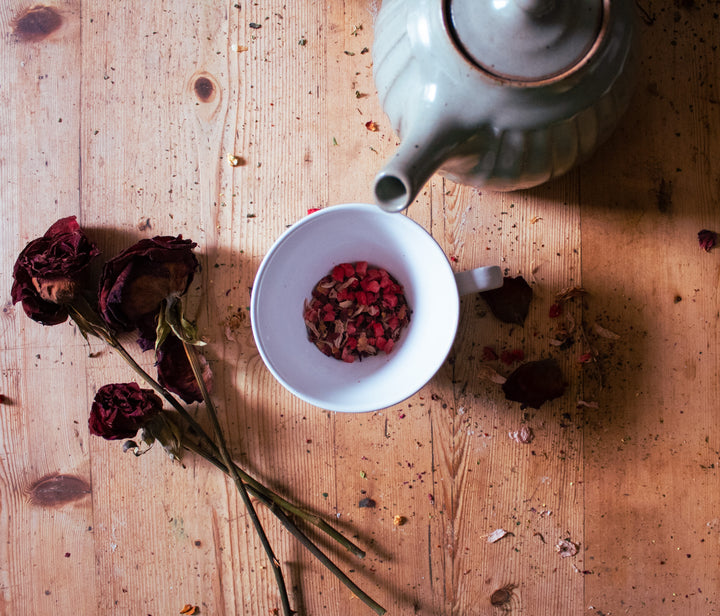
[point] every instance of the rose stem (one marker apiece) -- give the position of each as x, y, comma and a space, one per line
91, 325
197, 371
260, 491
296, 532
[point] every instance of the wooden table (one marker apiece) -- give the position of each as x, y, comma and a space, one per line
124, 114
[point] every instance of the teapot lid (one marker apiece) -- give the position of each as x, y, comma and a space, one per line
526, 40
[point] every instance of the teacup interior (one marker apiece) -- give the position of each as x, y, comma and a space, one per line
307, 252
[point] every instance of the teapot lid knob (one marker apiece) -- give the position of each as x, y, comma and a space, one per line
526, 40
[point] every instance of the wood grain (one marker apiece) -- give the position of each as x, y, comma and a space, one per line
125, 115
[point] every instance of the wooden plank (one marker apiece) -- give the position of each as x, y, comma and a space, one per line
152, 102
651, 457
45, 477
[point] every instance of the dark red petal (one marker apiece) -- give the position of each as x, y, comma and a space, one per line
535, 382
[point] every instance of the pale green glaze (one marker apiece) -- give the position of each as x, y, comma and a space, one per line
504, 94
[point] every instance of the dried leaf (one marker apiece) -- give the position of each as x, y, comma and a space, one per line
496, 535
486, 373
591, 405
605, 333
569, 293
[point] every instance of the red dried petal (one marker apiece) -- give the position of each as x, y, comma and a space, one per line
370, 285
338, 273
510, 357
556, 310
390, 301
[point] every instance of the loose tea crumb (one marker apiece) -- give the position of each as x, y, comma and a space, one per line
356, 311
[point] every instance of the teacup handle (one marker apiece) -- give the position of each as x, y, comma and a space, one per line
479, 279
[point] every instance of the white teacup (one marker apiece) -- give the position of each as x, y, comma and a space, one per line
307, 252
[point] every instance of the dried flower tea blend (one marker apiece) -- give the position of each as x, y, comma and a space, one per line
356, 311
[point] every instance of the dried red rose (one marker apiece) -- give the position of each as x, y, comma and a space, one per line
707, 239
356, 311
511, 302
535, 382
175, 372
135, 283
50, 270
121, 409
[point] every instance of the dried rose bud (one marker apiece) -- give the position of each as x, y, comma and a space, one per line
175, 372
50, 270
121, 409
134, 284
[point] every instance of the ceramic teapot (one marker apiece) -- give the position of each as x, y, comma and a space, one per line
504, 94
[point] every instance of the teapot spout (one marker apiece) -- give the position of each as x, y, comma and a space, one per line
407, 171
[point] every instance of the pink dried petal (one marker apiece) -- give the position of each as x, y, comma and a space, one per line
370, 285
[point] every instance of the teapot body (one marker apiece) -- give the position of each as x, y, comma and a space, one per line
480, 129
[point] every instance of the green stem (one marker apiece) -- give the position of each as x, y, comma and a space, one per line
295, 532
89, 322
280, 580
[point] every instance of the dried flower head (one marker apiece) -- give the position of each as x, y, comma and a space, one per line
175, 372
49, 272
135, 283
121, 409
